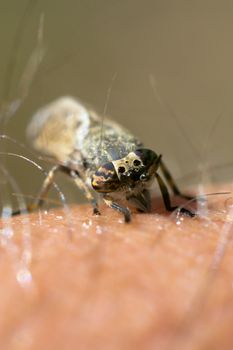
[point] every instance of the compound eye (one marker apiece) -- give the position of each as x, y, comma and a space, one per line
136, 162
105, 179
147, 157
121, 169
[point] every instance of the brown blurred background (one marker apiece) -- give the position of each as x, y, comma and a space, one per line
186, 45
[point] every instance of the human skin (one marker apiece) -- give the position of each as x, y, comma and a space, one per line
160, 282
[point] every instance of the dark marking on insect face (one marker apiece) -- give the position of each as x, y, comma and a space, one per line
105, 179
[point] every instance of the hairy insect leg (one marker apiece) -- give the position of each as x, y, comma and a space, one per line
166, 197
83, 187
110, 203
171, 182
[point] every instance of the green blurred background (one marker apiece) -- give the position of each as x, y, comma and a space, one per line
186, 45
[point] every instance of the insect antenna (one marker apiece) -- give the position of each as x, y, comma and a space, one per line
109, 90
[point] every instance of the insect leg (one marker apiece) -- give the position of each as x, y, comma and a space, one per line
166, 197
171, 182
40, 198
142, 201
39, 201
125, 211
83, 187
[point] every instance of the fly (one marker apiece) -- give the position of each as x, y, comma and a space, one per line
118, 168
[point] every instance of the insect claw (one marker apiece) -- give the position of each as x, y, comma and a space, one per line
186, 212
127, 217
189, 198
96, 212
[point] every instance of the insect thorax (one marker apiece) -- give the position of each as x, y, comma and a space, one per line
106, 144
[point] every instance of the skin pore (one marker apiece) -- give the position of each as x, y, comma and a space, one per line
86, 282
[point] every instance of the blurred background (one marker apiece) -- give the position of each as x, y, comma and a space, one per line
183, 47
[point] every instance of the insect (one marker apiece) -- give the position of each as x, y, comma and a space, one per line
105, 159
